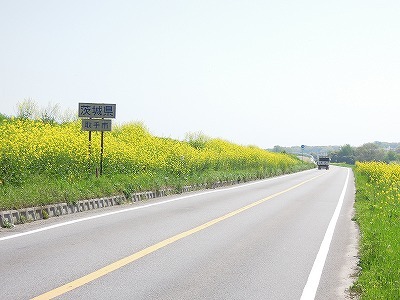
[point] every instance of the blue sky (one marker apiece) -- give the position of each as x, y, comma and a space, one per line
263, 73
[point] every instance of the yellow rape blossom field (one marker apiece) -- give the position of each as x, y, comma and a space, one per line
378, 215
42, 163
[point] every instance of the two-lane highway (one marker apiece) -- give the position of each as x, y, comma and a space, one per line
288, 237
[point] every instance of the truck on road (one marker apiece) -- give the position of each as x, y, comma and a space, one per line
323, 162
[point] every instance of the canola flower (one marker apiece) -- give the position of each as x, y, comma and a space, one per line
378, 215
383, 180
29, 148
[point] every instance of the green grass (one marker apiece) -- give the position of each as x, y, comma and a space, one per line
42, 190
379, 221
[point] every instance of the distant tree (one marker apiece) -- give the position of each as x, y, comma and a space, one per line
197, 140
392, 156
27, 109
344, 155
67, 116
50, 114
346, 151
370, 152
279, 149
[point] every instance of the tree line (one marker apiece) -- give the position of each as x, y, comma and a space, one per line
376, 151
368, 152
52, 113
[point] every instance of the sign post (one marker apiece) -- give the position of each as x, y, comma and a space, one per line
96, 117
101, 152
302, 151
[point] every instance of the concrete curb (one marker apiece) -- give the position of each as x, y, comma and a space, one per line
9, 218
24, 215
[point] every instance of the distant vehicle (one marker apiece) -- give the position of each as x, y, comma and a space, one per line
323, 162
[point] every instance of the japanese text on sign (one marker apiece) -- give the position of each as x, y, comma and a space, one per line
96, 110
96, 125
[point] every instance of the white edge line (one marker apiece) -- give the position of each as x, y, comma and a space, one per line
139, 207
310, 289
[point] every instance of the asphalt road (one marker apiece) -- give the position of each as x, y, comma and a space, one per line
289, 237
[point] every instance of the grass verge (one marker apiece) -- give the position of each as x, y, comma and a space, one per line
378, 215
42, 190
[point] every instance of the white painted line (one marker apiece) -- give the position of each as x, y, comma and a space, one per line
138, 207
310, 289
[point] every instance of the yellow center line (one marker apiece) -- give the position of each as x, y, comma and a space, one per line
129, 259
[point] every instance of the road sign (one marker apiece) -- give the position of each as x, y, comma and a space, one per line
96, 117
96, 125
97, 110
302, 150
